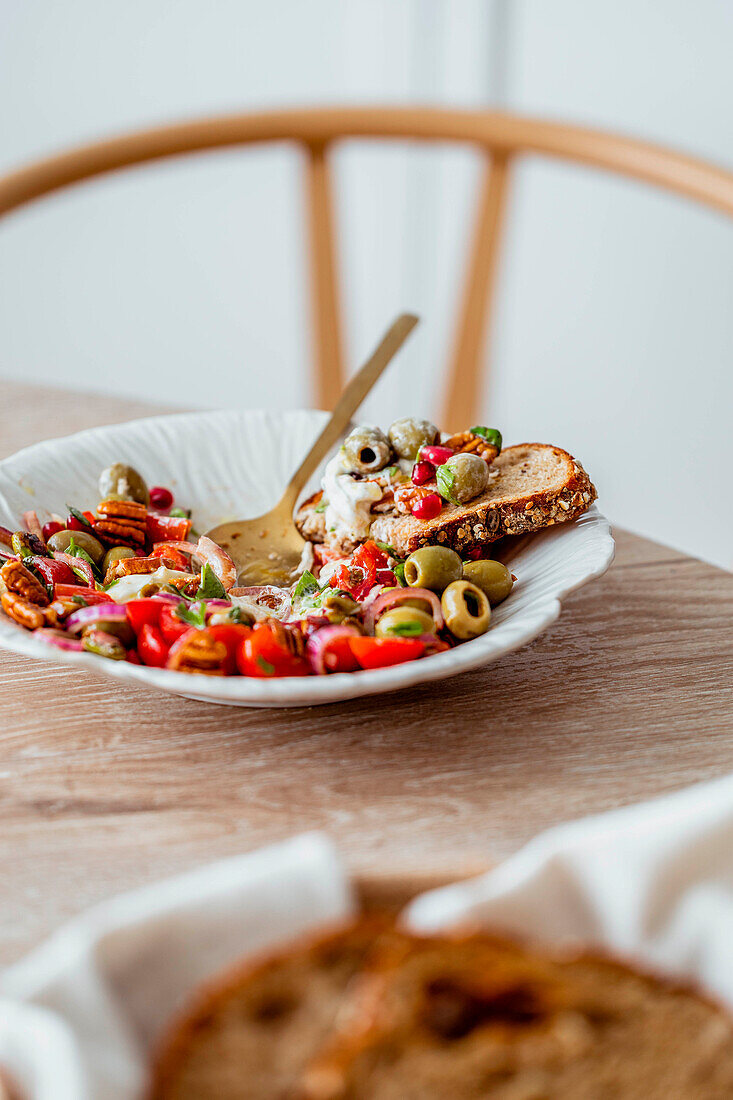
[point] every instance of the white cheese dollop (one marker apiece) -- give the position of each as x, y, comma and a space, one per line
129, 588
348, 510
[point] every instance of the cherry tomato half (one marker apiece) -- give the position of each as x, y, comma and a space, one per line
168, 528
140, 612
171, 627
232, 635
151, 647
262, 654
381, 652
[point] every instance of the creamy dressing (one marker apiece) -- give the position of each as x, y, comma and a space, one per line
129, 588
348, 510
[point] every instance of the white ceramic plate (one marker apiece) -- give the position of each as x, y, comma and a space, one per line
228, 465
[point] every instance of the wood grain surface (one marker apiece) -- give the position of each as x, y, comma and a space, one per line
104, 787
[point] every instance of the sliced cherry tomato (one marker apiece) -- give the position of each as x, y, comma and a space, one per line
340, 656
53, 572
232, 635
51, 528
74, 524
381, 652
176, 557
68, 591
262, 654
386, 577
171, 627
140, 612
168, 528
152, 647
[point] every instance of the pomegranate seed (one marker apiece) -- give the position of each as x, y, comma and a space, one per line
422, 471
51, 528
427, 507
436, 454
161, 498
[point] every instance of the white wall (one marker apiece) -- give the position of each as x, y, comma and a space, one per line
184, 281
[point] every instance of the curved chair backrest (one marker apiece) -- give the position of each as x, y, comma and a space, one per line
501, 137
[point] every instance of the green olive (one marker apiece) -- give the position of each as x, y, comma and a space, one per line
117, 553
61, 541
122, 482
491, 577
469, 476
338, 606
433, 567
123, 631
465, 609
367, 450
408, 435
103, 645
404, 622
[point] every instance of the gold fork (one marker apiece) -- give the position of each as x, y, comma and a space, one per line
268, 549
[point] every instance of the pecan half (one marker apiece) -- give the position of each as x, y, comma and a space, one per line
123, 509
408, 495
468, 443
115, 533
200, 654
292, 639
128, 567
23, 583
22, 612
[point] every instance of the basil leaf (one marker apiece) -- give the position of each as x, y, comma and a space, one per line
386, 549
239, 615
194, 614
180, 513
307, 585
406, 629
491, 435
399, 572
77, 552
445, 478
79, 515
210, 587
267, 668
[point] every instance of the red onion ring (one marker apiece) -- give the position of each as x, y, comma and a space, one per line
6, 537
30, 519
61, 641
319, 643
109, 612
77, 563
167, 597
208, 552
262, 593
399, 595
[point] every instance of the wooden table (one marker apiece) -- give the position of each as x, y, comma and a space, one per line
104, 787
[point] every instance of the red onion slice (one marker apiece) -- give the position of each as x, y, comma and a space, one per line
398, 595
6, 537
269, 596
109, 612
31, 521
77, 563
208, 552
61, 641
318, 645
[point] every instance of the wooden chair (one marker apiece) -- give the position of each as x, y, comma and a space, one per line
501, 137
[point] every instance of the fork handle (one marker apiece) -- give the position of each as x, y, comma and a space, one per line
350, 400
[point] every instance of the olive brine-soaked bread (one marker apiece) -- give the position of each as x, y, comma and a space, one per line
248, 1036
482, 1019
532, 485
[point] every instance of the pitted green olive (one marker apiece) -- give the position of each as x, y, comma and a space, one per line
465, 609
493, 578
104, 645
404, 622
433, 567
117, 553
367, 450
468, 476
85, 540
408, 435
338, 606
122, 482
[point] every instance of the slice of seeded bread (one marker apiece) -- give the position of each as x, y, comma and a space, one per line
533, 485
249, 1034
483, 1019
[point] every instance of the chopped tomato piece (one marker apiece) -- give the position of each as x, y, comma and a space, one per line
177, 559
381, 652
140, 612
152, 647
171, 627
360, 575
232, 635
53, 572
68, 591
263, 654
340, 656
168, 528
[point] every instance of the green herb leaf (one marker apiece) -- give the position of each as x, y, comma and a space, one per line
399, 572
79, 515
180, 513
267, 668
210, 587
78, 552
307, 585
80, 600
406, 629
392, 470
321, 507
445, 478
491, 435
194, 614
239, 615
386, 549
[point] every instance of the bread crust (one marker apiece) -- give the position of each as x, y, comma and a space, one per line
470, 526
